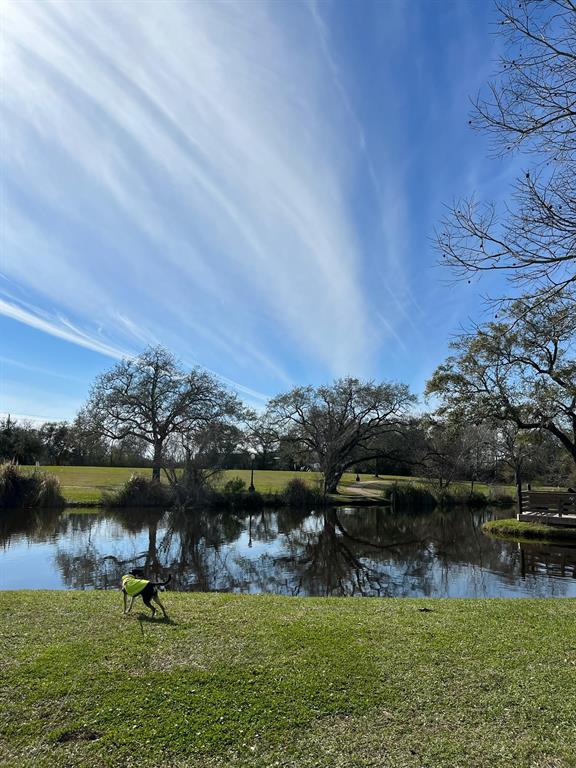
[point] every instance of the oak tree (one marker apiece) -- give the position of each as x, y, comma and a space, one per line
341, 424
151, 397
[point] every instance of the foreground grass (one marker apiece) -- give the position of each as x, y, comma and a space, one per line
86, 484
262, 681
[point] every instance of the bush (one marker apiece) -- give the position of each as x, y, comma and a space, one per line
48, 493
460, 497
235, 485
298, 494
500, 498
234, 501
140, 491
18, 489
407, 497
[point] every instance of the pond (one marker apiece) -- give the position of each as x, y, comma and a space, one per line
368, 551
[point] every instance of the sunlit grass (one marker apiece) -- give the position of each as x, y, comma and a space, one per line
262, 681
518, 530
86, 484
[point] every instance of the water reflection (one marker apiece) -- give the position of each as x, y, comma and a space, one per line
367, 551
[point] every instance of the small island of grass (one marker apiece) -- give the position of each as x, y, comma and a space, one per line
512, 528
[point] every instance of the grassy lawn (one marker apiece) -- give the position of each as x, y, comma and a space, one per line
88, 483
261, 681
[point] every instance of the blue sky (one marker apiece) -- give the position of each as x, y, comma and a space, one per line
252, 184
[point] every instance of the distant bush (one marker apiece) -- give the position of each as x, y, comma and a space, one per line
140, 491
18, 489
234, 500
408, 497
298, 494
460, 497
500, 498
235, 485
48, 493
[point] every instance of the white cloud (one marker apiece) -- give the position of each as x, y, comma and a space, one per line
63, 330
182, 175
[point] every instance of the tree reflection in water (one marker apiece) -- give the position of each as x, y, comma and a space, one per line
367, 551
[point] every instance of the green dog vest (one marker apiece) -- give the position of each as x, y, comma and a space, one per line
132, 585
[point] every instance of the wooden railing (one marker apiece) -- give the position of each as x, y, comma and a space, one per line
549, 502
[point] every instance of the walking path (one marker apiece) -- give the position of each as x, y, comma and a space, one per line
368, 489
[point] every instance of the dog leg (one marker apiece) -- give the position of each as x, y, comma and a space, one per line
125, 598
157, 600
149, 605
131, 604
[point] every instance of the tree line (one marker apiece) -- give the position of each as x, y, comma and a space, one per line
150, 412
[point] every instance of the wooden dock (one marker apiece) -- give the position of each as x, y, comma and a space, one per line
548, 507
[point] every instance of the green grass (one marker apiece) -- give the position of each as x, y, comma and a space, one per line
86, 484
261, 681
512, 528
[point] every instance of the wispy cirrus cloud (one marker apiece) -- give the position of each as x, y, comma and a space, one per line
178, 172
60, 327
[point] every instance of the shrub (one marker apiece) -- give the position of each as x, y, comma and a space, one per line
234, 500
407, 497
18, 489
48, 493
235, 485
298, 494
500, 498
461, 497
140, 491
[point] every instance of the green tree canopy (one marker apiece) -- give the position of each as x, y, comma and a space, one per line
339, 425
521, 370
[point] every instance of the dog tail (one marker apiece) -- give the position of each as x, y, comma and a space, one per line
163, 583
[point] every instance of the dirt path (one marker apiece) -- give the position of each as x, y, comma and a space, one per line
369, 489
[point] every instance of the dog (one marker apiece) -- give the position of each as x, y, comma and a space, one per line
135, 585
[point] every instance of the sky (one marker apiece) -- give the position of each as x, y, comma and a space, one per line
253, 185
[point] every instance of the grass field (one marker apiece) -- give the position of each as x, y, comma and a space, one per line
87, 483
261, 681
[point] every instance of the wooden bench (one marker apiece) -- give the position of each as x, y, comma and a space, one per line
549, 506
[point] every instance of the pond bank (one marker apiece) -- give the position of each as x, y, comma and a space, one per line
261, 681
512, 528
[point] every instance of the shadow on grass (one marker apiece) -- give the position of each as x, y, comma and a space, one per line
144, 617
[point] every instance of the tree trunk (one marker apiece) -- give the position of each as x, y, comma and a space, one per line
157, 461
331, 479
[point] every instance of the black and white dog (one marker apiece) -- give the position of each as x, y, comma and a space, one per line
135, 585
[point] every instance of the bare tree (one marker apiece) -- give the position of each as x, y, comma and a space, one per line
152, 398
263, 439
339, 425
531, 107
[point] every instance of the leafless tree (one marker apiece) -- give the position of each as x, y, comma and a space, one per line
152, 398
530, 108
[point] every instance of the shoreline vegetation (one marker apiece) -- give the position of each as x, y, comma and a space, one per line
126, 487
28, 489
255, 681
519, 530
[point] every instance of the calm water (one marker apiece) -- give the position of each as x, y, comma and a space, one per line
348, 551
